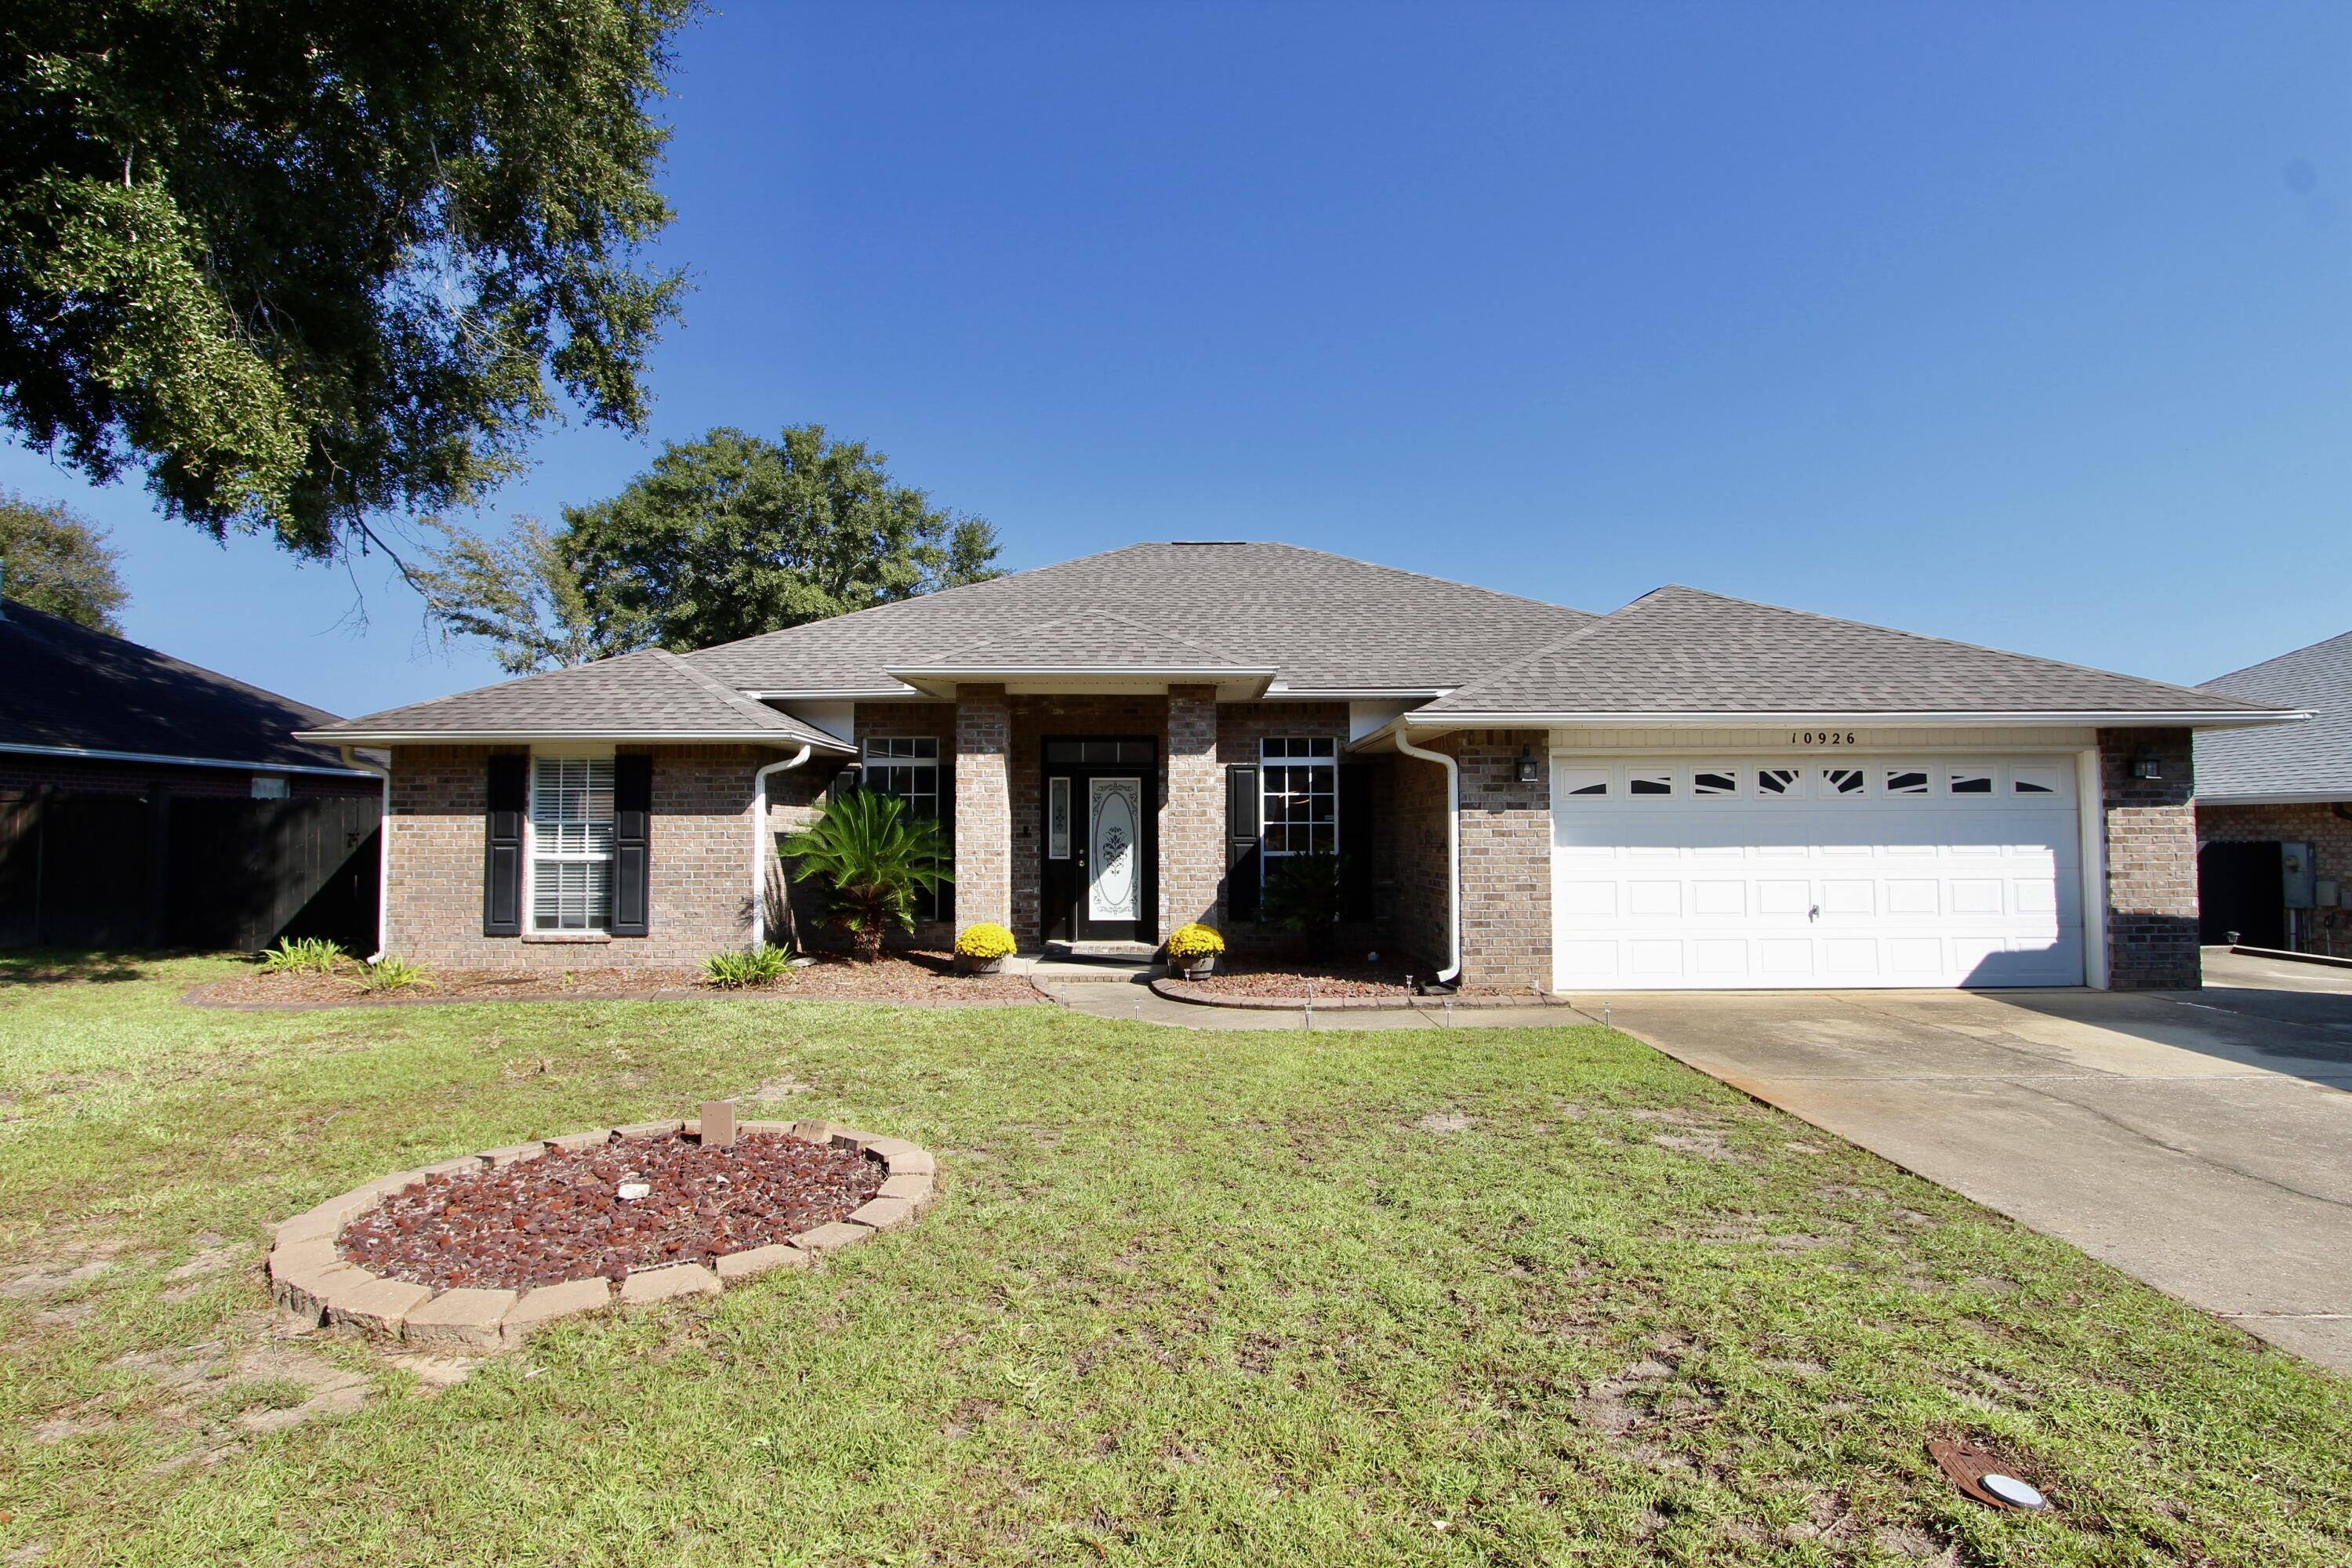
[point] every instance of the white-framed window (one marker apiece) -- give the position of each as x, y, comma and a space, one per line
2023, 779
1299, 784
1968, 780
1645, 780
571, 844
1583, 780
269, 786
1838, 782
1719, 781
1779, 784
1907, 780
907, 767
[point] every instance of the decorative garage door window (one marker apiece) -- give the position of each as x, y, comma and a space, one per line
571, 843
1115, 821
1300, 776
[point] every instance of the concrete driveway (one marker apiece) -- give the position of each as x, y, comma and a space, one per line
2202, 1141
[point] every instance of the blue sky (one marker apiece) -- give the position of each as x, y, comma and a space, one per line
2022, 324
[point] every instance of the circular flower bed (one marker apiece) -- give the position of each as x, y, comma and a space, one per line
577, 1214
477, 1252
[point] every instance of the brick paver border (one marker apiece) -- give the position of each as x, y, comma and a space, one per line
1177, 990
312, 1282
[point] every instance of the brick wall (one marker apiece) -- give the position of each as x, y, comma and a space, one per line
699, 853
2151, 847
984, 807
1413, 815
1192, 823
2315, 824
1505, 860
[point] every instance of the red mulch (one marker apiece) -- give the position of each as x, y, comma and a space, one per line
1300, 977
905, 977
558, 1217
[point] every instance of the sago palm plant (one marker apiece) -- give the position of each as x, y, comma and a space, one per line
876, 858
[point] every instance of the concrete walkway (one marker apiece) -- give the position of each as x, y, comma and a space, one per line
2202, 1141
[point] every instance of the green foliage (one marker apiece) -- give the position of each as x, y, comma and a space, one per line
734, 534
517, 593
392, 973
876, 858
303, 955
60, 563
757, 966
1303, 895
304, 263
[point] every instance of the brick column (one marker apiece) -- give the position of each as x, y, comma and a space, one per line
2151, 838
1505, 860
984, 805
1193, 824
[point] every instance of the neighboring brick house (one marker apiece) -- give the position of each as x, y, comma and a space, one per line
147, 802
1693, 791
2275, 809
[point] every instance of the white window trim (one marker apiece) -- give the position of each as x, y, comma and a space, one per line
1264, 761
559, 750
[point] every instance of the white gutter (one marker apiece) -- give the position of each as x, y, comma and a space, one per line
525, 738
152, 757
1452, 854
759, 847
2322, 797
2203, 719
383, 847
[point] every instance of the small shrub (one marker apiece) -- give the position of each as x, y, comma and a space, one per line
876, 859
986, 940
394, 973
1193, 942
758, 966
1303, 896
308, 955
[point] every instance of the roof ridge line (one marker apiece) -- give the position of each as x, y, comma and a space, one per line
765, 716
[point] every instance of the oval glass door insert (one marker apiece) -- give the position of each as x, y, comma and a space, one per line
1114, 819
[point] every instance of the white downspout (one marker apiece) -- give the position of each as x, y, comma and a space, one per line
759, 847
1452, 852
382, 846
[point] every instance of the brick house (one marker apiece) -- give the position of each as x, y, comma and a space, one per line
2275, 809
1691, 791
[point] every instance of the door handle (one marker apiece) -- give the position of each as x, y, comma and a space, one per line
1814, 913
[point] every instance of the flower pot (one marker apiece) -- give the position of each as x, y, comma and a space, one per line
1195, 969
980, 965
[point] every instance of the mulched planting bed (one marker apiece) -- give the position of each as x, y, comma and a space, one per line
910, 978
560, 1216
1344, 977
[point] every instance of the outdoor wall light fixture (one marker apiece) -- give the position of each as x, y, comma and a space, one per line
2148, 764
1526, 765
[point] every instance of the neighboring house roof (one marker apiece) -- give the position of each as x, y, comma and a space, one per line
652, 693
66, 688
2294, 762
1323, 623
1684, 651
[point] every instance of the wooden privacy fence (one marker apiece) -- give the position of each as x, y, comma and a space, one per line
85, 869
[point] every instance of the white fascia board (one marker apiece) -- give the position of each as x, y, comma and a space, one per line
83, 753
1122, 671
2340, 796
2225, 719
842, 694
549, 737
1278, 691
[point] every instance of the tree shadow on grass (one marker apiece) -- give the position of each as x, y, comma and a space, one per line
50, 966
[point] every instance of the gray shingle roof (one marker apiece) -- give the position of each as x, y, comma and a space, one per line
2313, 760
1323, 621
653, 692
1084, 637
66, 686
1683, 650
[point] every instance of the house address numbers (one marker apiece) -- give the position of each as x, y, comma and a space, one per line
1821, 738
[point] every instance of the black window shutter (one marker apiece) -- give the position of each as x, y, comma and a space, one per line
509, 793
1356, 845
1240, 842
632, 821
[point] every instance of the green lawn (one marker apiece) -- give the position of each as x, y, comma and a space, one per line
1190, 1297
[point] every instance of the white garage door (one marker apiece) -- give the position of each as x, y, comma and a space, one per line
1865, 871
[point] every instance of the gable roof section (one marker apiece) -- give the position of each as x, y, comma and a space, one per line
2295, 762
70, 689
652, 694
1323, 623
1684, 653
1087, 637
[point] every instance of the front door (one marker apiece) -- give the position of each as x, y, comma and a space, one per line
1100, 871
